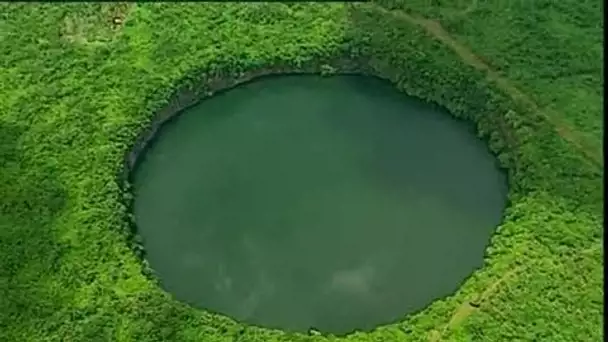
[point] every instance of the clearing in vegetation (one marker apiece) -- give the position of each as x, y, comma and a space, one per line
78, 86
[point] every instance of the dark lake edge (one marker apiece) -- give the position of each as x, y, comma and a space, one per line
203, 88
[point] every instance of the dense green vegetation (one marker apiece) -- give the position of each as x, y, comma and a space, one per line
78, 86
550, 50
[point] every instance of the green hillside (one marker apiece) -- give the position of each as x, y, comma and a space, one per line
79, 82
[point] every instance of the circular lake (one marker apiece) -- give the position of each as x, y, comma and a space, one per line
300, 201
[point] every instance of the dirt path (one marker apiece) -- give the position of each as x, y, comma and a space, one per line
435, 29
467, 308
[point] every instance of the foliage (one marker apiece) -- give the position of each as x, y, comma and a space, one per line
77, 87
552, 223
551, 50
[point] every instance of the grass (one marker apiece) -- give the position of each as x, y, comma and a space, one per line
552, 51
77, 87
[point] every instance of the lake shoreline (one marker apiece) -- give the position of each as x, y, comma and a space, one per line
258, 160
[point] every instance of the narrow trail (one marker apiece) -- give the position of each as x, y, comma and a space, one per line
595, 157
468, 308
435, 29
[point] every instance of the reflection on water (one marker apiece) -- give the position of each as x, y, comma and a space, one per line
302, 201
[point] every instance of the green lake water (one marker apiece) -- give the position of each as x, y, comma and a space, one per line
299, 201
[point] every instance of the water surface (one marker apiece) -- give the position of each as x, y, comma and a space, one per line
299, 201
